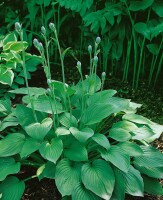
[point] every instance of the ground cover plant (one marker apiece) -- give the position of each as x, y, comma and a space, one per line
90, 142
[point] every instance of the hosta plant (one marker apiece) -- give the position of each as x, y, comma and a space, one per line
84, 137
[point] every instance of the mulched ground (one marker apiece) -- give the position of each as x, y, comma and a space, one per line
152, 100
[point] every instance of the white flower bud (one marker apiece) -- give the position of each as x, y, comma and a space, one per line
98, 40
52, 26
43, 30
18, 27
95, 59
89, 48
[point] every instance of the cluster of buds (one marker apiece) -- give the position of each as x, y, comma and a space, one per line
38, 45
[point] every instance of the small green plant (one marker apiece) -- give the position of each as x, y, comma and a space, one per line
91, 142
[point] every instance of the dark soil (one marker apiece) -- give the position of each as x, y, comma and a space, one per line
152, 100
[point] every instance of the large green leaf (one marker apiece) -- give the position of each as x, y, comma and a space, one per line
119, 189
140, 5
157, 30
117, 157
46, 171
68, 120
5, 107
142, 133
8, 166
62, 131
75, 151
11, 144
51, 151
152, 186
133, 182
39, 130
157, 7
129, 126
24, 115
12, 188
119, 134
82, 135
81, 193
151, 157
67, 176
130, 148
15, 46
137, 119
30, 145
102, 140
99, 178
143, 29
9, 38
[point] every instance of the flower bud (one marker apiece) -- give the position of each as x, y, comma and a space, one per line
79, 63
18, 27
43, 30
89, 48
98, 40
41, 47
36, 43
52, 26
48, 91
95, 60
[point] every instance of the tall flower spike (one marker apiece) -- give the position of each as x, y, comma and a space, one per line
18, 27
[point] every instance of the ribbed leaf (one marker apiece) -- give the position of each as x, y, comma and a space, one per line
133, 182
67, 176
76, 151
140, 5
12, 188
6, 77
30, 145
39, 130
119, 134
151, 157
102, 140
155, 172
11, 144
99, 178
47, 171
68, 120
5, 106
117, 157
8, 166
129, 126
142, 133
82, 135
152, 186
137, 119
51, 151
81, 193
130, 148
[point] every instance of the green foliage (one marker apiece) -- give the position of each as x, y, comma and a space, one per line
90, 142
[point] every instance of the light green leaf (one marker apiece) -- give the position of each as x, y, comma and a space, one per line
30, 145
33, 91
142, 133
82, 135
152, 186
119, 134
62, 131
39, 130
68, 120
128, 126
130, 148
99, 178
9, 38
67, 176
81, 193
117, 157
15, 46
8, 166
11, 144
51, 151
12, 188
133, 182
102, 140
137, 119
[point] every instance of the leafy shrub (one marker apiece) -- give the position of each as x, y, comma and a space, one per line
91, 142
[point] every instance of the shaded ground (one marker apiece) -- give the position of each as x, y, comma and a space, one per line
152, 100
